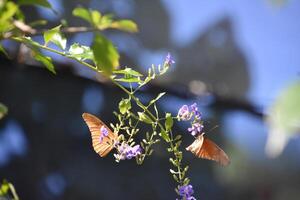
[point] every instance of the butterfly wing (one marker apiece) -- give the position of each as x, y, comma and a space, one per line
205, 148
104, 146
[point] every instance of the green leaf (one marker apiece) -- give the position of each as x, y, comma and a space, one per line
83, 14
283, 119
10, 10
38, 23
169, 121
43, 3
3, 51
96, 17
81, 52
7, 12
105, 22
47, 61
145, 118
128, 71
106, 56
3, 110
124, 105
125, 25
156, 99
165, 135
54, 35
129, 80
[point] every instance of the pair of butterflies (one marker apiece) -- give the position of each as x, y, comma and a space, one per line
202, 147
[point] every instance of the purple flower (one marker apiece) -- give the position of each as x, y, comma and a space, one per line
194, 109
169, 61
103, 133
195, 129
186, 192
133, 151
127, 152
184, 113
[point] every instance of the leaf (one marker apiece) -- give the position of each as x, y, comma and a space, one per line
106, 56
124, 105
43, 3
3, 51
145, 118
96, 17
283, 119
128, 71
81, 52
157, 98
54, 35
47, 61
169, 121
3, 110
165, 135
10, 10
125, 25
83, 14
129, 80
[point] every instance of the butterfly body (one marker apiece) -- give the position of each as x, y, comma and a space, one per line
102, 144
203, 147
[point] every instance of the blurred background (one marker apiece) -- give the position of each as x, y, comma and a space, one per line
232, 57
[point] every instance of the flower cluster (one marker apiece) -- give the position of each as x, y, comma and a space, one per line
125, 151
103, 132
186, 113
169, 60
186, 192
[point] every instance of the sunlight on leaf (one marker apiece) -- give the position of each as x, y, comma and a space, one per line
54, 35
128, 71
283, 120
145, 118
106, 56
124, 105
83, 13
81, 52
125, 25
47, 61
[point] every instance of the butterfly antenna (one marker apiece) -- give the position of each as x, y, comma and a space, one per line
216, 126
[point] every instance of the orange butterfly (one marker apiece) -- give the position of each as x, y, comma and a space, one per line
202, 147
102, 144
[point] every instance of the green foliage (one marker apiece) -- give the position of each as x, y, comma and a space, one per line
144, 118
168, 122
125, 25
7, 190
156, 99
54, 35
3, 110
102, 22
43, 3
128, 71
7, 11
124, 106
45, 60
81, 52
105, 54
3, 50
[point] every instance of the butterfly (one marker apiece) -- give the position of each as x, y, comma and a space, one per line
102, 144
203, 147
